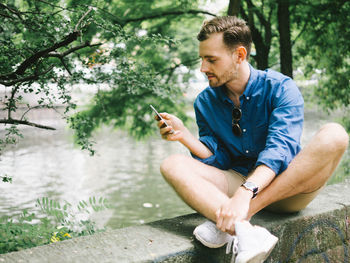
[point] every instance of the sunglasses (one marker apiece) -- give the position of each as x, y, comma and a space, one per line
236, 116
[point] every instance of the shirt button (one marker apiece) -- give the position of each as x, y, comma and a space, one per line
246, 151
244, 130
248, 98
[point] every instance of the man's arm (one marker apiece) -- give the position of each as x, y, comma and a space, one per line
237, 207
183, 135
285, 128
262, 177
206, 149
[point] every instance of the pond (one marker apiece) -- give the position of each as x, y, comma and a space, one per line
124, 171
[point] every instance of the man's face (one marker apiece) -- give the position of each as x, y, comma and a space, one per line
218, 62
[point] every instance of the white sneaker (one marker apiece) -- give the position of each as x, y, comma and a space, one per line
255, 243
232, 244
210, 236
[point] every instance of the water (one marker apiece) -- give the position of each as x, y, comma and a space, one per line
126, 172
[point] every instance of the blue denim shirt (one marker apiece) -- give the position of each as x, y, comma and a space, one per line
272, 122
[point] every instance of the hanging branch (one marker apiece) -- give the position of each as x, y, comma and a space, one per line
36, 56
23, 122
82, 18
28, 78
167, 13
11, 10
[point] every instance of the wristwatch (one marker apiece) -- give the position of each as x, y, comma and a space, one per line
251, 187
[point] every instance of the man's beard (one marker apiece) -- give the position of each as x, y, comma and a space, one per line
223, 79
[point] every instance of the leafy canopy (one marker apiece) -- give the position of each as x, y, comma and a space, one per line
127, 52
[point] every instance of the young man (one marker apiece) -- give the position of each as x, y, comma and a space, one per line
248, 154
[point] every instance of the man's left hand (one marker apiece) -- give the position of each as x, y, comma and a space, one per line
235, 209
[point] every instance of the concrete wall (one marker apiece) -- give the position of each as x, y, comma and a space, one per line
320, 233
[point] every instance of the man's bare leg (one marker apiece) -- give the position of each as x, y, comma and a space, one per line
309, 170
202, 187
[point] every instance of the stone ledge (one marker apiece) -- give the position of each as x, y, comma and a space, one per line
320, 233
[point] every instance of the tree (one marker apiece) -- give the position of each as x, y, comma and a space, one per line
260, 18
323, 47
234, 8
286, 58
32, 55
47, 47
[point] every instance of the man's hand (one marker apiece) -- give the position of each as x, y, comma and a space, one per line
181, 134
175, 124
235, 209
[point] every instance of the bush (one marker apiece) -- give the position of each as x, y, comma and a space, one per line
54, 223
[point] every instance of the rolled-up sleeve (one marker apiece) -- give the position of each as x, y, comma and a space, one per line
221, 157
285, 128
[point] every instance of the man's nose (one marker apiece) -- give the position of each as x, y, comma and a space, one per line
204, 67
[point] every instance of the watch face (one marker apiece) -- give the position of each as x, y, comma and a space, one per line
251, 186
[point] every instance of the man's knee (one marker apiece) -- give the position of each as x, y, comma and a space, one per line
333, 137
171, 165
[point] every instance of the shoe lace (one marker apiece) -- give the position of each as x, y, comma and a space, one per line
232, 245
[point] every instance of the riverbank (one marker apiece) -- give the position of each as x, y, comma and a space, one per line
320, 233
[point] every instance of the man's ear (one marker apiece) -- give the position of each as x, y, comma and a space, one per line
241, 52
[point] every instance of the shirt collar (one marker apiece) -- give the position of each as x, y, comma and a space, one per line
251, 81
222, 94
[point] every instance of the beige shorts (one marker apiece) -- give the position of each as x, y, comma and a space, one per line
288, 205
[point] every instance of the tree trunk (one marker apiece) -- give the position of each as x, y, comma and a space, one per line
233, 7
285, 41
261, 35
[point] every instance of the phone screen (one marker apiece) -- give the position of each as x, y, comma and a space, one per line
160, 117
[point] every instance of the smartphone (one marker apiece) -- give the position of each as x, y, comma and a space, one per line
160, 118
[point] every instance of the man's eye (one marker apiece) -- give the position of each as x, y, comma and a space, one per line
211, 60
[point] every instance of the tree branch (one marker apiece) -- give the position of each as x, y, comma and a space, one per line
71, 50
187, 62
61, 56
258, 14
45, 2
6, 16
18, 14
22, 122
11, 101
300, 33
65, 66
38, 107
36, 56
32, 77
82, 18
167, 13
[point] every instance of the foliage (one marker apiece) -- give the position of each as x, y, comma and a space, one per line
55, 223
141, 53
320, 35
324, 48
126, 52
343, 170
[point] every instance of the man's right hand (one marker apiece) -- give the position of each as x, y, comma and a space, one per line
175, 124
181, 134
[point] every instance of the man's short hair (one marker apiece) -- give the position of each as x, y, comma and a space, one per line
235, 31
